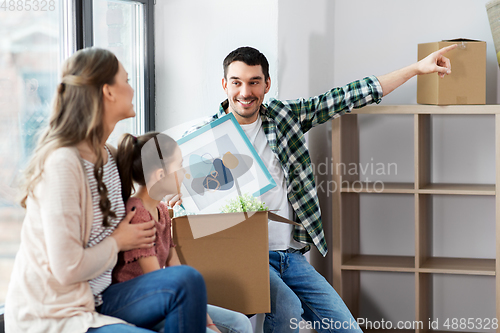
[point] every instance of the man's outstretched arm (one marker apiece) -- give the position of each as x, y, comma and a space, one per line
434, 62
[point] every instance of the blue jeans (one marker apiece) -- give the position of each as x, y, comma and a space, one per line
227, 321
175, 295
299, 291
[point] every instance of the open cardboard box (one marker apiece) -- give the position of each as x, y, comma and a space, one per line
231, 252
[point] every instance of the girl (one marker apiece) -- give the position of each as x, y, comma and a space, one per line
154, 162
72, 232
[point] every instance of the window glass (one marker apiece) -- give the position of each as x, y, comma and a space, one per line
30, 51
119, 27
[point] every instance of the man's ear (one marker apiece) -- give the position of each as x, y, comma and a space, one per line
224, 84
107, 93
268, 85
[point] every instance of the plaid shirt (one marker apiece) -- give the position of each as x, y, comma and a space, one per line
284, 123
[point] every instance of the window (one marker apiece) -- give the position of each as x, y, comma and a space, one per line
120, 26
33, 44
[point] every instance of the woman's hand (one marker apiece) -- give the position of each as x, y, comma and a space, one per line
133, 236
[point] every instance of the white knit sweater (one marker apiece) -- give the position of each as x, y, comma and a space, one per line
49, 291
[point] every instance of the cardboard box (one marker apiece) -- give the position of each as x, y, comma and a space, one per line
467, 82
231, 251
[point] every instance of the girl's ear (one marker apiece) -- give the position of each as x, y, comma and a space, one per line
159, 174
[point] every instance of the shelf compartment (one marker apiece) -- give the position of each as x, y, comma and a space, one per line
386, 295
386, 225
459, 226
458, 189
472, 294
380, 157
380, 263
375, 187
462, 149
467, 266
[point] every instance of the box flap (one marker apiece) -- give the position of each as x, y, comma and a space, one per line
462, 40
208, 224
277, 218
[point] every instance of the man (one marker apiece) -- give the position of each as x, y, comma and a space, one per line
276, 130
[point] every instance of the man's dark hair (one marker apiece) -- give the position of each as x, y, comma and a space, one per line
249, 56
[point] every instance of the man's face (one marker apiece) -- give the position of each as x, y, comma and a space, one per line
245, 87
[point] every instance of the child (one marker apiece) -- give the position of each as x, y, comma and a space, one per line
154, 162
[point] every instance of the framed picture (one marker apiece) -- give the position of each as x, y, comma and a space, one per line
220, 163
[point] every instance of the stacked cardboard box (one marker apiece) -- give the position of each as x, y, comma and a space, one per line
467, 82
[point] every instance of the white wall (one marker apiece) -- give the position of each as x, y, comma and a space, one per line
192, 39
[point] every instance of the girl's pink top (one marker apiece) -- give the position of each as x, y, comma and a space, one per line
128, 267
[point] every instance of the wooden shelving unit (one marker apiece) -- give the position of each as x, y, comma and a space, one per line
348, 263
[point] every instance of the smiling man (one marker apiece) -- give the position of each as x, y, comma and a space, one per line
276, 130
245, 87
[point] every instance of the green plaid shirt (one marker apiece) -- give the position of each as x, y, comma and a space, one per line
285, 123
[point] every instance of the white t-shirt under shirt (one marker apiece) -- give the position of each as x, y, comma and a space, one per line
280, 234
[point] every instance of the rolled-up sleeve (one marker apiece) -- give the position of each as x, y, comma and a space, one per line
335, 102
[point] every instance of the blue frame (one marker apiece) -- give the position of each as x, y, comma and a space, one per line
230, 117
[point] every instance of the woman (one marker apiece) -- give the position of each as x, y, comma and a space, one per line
72, 232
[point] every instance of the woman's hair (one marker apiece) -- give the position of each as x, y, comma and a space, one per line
151, 147
77, 116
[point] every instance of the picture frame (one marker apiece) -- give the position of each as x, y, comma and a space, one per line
220, 163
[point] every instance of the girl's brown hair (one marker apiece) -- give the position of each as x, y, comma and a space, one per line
77, 116
132, 151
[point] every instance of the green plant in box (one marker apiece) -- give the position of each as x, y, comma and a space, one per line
244, 203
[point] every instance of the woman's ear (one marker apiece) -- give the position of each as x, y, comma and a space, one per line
107, 93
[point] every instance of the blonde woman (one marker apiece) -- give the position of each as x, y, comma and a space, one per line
75, 222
